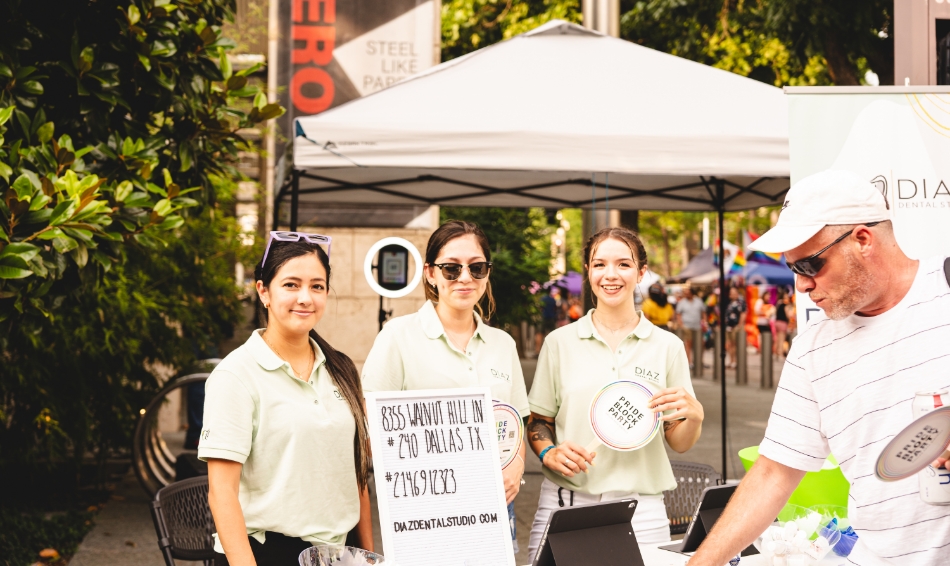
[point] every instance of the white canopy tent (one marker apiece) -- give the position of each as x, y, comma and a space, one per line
526, 122
557, 117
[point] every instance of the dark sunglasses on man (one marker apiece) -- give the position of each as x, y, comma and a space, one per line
280, 236
452, 271
811, 265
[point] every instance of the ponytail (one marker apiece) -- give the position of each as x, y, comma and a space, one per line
343, 371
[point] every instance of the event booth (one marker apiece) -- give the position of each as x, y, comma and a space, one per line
557, 117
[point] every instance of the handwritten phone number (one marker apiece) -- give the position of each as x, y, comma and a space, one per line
420, 482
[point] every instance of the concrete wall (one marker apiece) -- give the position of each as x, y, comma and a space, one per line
350, 322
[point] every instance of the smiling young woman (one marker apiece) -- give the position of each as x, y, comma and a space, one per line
446, 344
611, 343
284, 426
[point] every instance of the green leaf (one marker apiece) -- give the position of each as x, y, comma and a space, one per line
225, 62
80, 255
6, 113
45, 132
32, 87
5, 71
145, 61
64, 244
245, 92
185, 156
138, 199
272, 110
163, 207
51, 234
128, 147
13, 272
14, 261
123, 191
39, 202
63, 211
134, 14
171, 222
24, 72
23, 188
260, 100
23, 250
5, 171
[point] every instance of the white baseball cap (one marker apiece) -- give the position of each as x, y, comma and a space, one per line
824, 199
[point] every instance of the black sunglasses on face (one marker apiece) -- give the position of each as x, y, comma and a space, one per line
811, 265
452, 271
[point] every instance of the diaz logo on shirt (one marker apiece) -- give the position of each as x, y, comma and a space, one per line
336, 393
649, 375
501, 375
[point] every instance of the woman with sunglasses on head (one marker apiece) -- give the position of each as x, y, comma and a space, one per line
613, 342
284, 430
446, 344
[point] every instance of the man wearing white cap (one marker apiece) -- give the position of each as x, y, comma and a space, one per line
849, 379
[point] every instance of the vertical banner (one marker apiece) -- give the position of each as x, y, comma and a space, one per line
332, 51
898, 138
439, 486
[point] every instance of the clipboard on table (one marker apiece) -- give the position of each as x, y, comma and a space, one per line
711, 505
590, 534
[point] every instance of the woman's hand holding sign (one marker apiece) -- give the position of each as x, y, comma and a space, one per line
568, 459
683, 426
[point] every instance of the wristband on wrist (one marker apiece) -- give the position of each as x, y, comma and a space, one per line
543, 452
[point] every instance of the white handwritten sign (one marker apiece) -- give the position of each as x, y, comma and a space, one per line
439, 486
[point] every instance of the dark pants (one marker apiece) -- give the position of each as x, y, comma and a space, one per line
196, 409
278, 550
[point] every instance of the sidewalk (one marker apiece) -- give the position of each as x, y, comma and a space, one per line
124, 535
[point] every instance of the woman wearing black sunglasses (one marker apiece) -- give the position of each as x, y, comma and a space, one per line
446, 344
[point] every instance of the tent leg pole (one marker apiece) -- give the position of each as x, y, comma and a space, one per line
294, 200
279, 199
723, 303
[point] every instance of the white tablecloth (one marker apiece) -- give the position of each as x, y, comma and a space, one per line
655, 556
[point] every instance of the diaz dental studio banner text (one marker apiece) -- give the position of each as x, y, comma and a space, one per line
895, 137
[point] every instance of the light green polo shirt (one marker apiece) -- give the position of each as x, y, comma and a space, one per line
294, 438
413, 352
575, 363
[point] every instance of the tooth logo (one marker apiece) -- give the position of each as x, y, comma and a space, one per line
880, 183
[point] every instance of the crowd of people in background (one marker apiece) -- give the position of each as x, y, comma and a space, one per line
688, 310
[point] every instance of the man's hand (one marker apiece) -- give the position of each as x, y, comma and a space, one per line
943, 461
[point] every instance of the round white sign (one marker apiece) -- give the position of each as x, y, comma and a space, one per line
916, 447
620, 417
510, 430
371, 277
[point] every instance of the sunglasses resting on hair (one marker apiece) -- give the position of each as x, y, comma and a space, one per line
296, 237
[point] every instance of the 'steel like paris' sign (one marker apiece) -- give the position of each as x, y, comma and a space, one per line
438, 480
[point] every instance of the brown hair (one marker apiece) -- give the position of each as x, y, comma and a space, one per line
444, 234
625, 235
339, 365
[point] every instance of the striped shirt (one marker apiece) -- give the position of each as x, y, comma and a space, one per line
847, 389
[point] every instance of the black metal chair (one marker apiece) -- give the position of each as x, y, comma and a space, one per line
154, 463
184, 524
691, 480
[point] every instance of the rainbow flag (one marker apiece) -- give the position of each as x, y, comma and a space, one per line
756, 256
738, 264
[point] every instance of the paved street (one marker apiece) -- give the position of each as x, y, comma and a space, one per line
124, 535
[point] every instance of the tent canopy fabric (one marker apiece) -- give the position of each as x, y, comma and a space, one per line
757, 273
701, 264
557, 117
